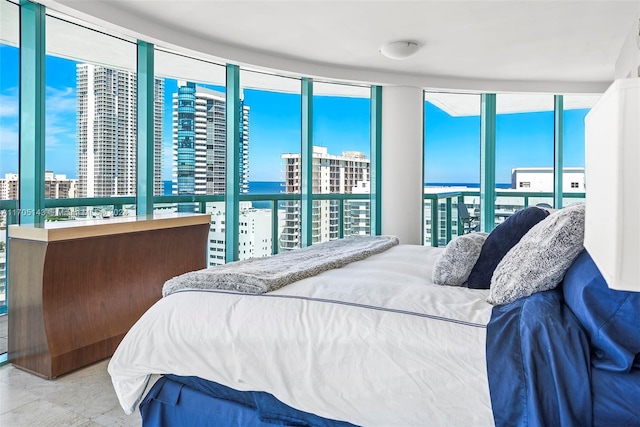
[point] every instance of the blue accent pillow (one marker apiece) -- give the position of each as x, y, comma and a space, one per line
611, 318
500, 241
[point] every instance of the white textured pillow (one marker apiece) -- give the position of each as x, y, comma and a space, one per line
455, 263
540, 259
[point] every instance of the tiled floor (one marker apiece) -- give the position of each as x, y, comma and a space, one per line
81, 398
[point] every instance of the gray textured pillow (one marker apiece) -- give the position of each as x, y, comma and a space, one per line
540, 259
454, 265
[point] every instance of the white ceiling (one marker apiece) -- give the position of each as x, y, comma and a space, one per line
536, 45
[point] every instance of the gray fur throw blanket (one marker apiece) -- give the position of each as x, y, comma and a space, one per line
259, 275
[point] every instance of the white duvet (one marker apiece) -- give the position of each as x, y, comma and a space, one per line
374, 343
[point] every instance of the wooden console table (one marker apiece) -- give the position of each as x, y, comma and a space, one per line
77, 287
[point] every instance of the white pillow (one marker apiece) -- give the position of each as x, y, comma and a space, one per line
540, 259
455, 263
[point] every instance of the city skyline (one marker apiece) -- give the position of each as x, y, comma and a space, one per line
452, 149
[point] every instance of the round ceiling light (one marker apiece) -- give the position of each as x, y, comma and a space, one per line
400, 50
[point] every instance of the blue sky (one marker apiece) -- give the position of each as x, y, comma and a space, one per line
452, 150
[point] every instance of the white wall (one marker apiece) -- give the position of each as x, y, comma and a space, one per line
402, 169
628, 63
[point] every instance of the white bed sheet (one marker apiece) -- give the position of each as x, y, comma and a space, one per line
374, 343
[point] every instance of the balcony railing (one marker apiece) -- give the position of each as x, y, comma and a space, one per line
284, 208
440, 206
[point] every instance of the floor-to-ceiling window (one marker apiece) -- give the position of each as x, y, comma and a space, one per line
9, 69
341, 160
524, 151
273, 166
90, 105
451, 159
194, 140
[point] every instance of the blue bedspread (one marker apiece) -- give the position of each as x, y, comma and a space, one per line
191, 401
541, 370
538, 363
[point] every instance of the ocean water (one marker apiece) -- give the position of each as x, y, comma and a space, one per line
166, 188
277, 187
255, 187
462, 184
266, 187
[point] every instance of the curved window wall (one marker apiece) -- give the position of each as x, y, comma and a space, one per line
90, 85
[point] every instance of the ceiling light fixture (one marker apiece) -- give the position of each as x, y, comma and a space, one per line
400, 50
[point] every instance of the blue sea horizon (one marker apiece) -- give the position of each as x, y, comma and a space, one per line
276, 187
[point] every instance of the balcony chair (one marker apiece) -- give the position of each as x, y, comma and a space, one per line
469, 223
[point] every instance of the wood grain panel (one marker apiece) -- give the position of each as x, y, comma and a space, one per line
27, 340
91, 291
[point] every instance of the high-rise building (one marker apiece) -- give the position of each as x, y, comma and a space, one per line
199, 166
331, 174
107, 131
58, 186
200, 142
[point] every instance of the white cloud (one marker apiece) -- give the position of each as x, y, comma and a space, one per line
8, 105
9, 113
8, 138
61, 100
60, 117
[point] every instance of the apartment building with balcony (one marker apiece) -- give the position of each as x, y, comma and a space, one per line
56, 186
359, 212
9, 186
331, 174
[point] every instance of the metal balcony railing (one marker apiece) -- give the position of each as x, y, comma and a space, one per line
440, 215
439, 209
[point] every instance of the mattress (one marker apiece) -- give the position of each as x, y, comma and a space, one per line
372, 343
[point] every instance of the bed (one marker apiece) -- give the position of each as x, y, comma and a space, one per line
376, 342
